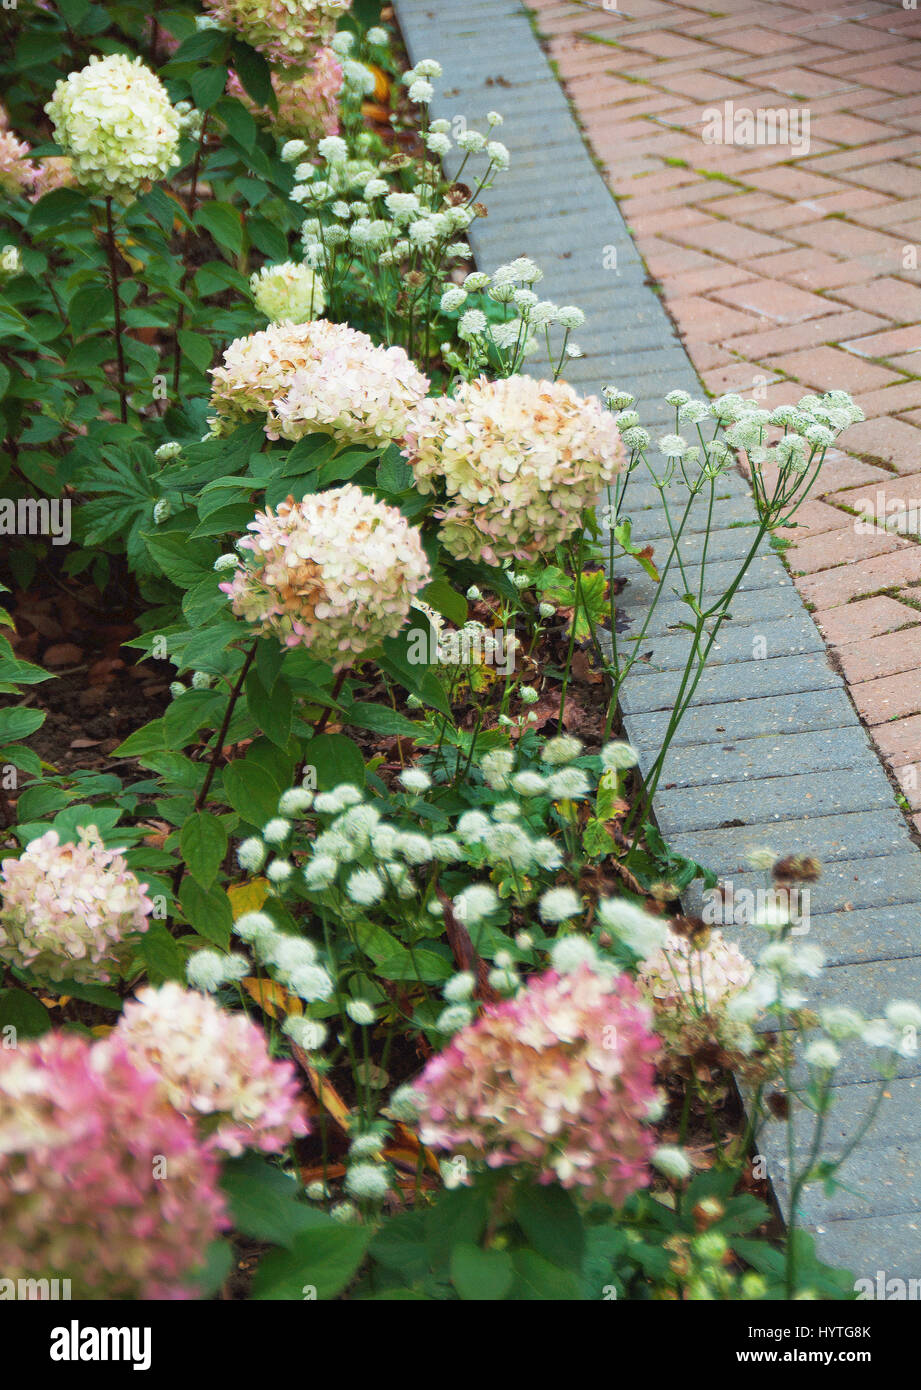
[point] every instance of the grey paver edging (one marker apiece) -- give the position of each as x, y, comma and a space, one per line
772, 751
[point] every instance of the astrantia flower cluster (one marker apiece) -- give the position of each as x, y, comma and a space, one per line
335, 572
67, 911
317, 377
287, 293
520, 461
307, 104
560, 1078
101, 1180
114, 119
214, 1067
286, 31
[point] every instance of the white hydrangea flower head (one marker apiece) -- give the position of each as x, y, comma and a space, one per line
317, 377
114, 121
288, 293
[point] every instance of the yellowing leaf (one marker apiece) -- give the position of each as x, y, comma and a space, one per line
248, 897
272, 997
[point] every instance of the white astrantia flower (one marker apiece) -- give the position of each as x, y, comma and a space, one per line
256, 927
453, 297
414, 779
360, 1012
205, 970
471, 141
902, 1013
564, 748
570, 316
617, 399
445, 849
415, 848
617, 756
356, 826
369, 1182
503, 981
163, 510
311, 983
321, 871
638, 929
404, 1104
673, 445
568, 784
279, 871
877, 1032
295, 801
841, 1022
276, 831
496, 767
364, 887
251, 855
226, 562
822, 1054
547, 854
459, 987
636, 439
473, 826
677, 397
306, 1033
293, 150
168, 451
176, 689
421, 92
570, 952
761, 857
472, 324
453, 1018
475, 903
344, 1213
366, 1146
559, 905
339, 799
285, 952
528, 783
672, 1162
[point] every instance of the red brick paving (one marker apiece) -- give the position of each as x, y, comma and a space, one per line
803, 272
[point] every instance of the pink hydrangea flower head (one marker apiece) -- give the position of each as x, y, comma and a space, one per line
680, 976
559, 1079
16, 169
67, 911
55, 171
335, 572
317, 378
308, 106
101, 1180
520, 461
286, 31
214, 1067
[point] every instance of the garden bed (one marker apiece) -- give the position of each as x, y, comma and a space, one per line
324, 854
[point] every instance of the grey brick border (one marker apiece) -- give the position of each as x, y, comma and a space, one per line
772, 752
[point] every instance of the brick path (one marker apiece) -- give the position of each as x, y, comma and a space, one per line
788, 270
772, 750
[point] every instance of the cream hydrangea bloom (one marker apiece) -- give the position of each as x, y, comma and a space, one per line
114, 119
287, 293
520, 461
679, 974
214, 1067
65, 909
335, 572
286, 31
317, 378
